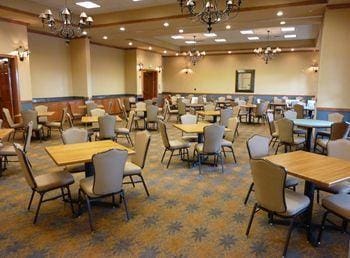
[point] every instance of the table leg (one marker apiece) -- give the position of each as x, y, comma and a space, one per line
215, 118
200, 138
249, 115
309, 192
308, 138
89, 169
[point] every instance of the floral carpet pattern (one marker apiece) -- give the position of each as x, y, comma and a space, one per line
186, 215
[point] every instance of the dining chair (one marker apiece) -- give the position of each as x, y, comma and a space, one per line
57, 125
243, 112
189, 119
229, 137
260, 111
132, 101
148, 102
286, 135
273, 129
250, 99
127, 105
107, 180
211, 146
70, 120
17, 127
173, 145
235, 109
42, 109
338, 131
107, 127
209, 107
272, 197
170, 112
300, 110
225, 115
332, 117
138, 161
44, 183
181, 107
152, 117
1, 123
31, 115
90, 106
125, 131
291, 115
163, 114
75, 116
258, 147
140, 115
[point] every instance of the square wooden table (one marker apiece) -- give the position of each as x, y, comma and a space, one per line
314, 169
94, 119
41, 114
4, 132
70, 154
250, 108
213, 113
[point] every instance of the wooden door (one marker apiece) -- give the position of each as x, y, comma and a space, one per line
150, 84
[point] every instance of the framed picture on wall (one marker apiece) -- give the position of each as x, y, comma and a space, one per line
245, 80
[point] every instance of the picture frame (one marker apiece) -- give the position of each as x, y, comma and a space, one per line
245, 80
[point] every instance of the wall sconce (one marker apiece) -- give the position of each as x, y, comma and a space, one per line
22, 53
159, 69
140, 67
314, 67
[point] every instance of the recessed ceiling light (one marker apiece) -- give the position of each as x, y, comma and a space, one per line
105, 37
228, 27
230, 52
190, 42
292, 49
88, 4
181, 31
279, 13
136, 0
177, 54
166, 24
84, 32
149, 48
244, 32
130, 43
220, 40
253, 38
122, 28
282, 22
290, 36
210, 35
165, 51
287, 29
177, 37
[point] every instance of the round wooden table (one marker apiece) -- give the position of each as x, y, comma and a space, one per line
310, 124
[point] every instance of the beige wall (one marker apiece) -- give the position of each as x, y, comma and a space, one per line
334, 82
131, 72
50, 66
107, 70
289, 73
11, 37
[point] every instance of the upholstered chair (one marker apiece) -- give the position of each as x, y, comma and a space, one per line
332, 117
209, 107
260, 112
229, 138
75, 116
300, 110
273, 129
291, 115
90, 106
16, 126
125, 131
189, 119
152, 117
42, 109
338, 131
286, 135
140, 115
57, 125
225, 115
31, 115
181, 106
170, 111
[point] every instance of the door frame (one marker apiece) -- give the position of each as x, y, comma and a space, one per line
143, 86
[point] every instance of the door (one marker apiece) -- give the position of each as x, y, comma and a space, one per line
150, 84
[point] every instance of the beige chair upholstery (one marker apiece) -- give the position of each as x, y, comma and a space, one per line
134, 168
286, 135
74, 116
107, 180
213, 135
181, 107
44, 183
272, 197
42, 109
260, 112
209, 107
31, 115
125, 131
229, 138
300, 110
225, 115
57, 125
173, 145
189, 119
107, 127
140, 115
90, 106
338, 131
170, 111
290, 114
273, 128
332, 117
16, 126
152, 117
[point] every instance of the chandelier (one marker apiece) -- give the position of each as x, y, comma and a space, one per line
267, 53
208, 12
195, 55
66, 28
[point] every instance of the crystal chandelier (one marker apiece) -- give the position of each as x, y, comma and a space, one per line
267, 53
209, 11
66, 28
195, 55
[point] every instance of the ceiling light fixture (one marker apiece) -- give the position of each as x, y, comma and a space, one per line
177, 37
209, 11
165, 51
253, 38
289, 36
130, 43
287, 29
177, 54
267, 53
210, 35
190, 42
228, 27
282, 22
88, 4
230, 52
279, 13
166, 24
149, 48
195, 55
181, 31
292, 49
247, 32
122, 28
105, 37
220, 40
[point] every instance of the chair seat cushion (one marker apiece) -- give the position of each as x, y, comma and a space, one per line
122, 130
340, 188
338, 203
53, 124
226, 143
299, 140
132, 169
54, 180
299, 131
190, 138
160, 117
18, 125
75, 168
8, 150
295, 202
275, 134
324, 133
179, 144
322, 142
174, 111
86, 184
291, 181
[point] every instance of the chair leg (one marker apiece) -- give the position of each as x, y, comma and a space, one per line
70, 200
251, 219
62, 192
318, 196
31, 199
132, 144
132, 181
38, 208
122, 195
171, 155
144, 185
233, 154
222, 162
322, 227
223, 150
291, 227
113, 201
89, 211
248, 194
200, 163
277, 148
163, 155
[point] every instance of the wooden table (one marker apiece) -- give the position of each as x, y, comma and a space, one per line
94, 119
70, 154
224, 103
250, 108
310, 124
314, 169
274, 105
4, 132
195, 106
84, 106
213, 113
41, 114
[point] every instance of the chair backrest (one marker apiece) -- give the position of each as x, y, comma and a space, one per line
142, 141
277, 100
97, 112
235, 110
269, 182
285, 130
164, 134
232, 125
109, 169
127, 104
74, 135
339, 149
300, 110
110, 107
30, 115
338, 130
132, 99
289, 114
41, 108
90, 106
228, 97
28, 136
209, 107
213, 135
335, 117
261, 108
107, 127
271, 123
70, 120
250, 99
8, 117
225, 115
148, 102
194, 100
258, 146
188, 119
63, 117
221, 98
1, 122
152, 112
181, 106
311, 104
130, 120
140, 105
25, 165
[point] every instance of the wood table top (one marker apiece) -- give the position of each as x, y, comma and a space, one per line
94, 119
316, 168
4, 132
248, 106
194, 128
313, 123
84, 106
209, 113
47, 113
70, 154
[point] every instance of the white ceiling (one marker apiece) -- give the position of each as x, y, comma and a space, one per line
106, 5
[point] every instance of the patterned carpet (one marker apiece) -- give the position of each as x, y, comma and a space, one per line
187, 215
